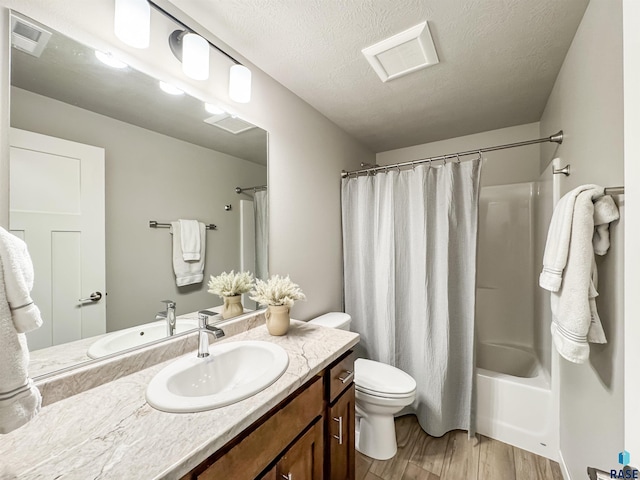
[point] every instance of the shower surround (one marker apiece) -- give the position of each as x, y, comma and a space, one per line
516, 399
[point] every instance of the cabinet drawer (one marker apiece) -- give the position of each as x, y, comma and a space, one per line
340, 376
253, 453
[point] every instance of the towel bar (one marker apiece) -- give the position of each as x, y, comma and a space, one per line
154, 224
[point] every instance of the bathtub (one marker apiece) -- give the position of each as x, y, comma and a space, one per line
514, 398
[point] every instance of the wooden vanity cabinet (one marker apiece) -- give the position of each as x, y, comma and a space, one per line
299, 439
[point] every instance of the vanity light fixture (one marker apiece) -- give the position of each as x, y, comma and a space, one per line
170, 89
240, 84
109, 59
132, 22
132, 26
213, 109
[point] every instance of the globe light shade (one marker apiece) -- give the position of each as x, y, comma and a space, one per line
240, 84
132, 22
195, 56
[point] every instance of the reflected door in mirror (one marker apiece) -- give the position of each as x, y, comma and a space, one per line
57, 208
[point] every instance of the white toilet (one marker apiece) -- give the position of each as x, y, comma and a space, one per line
381, 392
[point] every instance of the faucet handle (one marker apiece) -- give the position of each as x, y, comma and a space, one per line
203, 317
170, 303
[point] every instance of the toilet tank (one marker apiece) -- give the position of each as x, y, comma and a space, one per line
339, 320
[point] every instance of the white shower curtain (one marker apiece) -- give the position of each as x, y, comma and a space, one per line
261, 219
409, 242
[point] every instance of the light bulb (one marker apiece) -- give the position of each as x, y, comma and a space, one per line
132, 22
240, 84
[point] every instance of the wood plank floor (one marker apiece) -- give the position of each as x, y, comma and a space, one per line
454, 457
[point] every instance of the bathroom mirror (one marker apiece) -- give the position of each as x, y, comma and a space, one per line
164, 157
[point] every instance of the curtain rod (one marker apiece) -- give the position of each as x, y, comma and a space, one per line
557, 138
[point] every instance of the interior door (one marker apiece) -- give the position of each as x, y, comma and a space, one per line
57, 207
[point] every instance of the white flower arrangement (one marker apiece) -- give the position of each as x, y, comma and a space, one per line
276, 291
230, 284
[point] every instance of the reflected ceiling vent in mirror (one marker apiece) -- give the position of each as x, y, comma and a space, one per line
28, 37
403, 53
231, 124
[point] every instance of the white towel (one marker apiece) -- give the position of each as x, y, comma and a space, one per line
575, 317
20, 400
556, 250
190, 239
18, 278
192, 271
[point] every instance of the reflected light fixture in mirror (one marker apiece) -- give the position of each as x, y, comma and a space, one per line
213, 109
132, 22
170, 89
109, 59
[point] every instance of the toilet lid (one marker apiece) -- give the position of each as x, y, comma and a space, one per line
382, 378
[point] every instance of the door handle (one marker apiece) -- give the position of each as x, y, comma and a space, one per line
94, 297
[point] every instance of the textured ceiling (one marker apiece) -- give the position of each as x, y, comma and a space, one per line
69, 72
498, 60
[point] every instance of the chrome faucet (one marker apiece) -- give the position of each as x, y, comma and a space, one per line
203, 333
170, 316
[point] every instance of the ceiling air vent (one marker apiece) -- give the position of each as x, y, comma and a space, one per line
231, 124
28, 36
403, 53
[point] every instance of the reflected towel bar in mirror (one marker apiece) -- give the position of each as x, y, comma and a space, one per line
154, 224
254, 189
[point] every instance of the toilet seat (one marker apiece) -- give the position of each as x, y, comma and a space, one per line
382, 380
390, 396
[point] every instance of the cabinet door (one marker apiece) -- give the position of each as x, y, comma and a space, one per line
341, 437
303, 460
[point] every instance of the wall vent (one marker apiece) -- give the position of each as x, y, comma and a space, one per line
403, 53
28, 36
231, 124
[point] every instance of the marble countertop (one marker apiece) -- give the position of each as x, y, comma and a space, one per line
110, 432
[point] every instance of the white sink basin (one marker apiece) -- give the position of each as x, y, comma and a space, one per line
136, 336
232, 372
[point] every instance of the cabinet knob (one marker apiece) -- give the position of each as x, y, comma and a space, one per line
339, 436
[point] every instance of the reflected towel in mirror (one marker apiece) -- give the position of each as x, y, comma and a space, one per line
190, 239
187, 272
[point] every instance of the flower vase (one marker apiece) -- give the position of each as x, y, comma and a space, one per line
278, 319
232, 307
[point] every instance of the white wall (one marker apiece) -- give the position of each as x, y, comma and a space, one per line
502, 167
631, 20
306, 150
587, 103
175, 179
